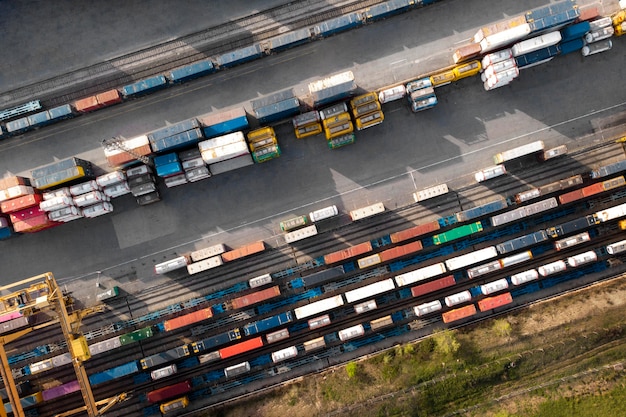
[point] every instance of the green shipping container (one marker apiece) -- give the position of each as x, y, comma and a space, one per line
457, 233
136, 336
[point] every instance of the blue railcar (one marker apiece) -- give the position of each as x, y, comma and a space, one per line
114, 373
277, 111
223, 123
338, 24
537, 57
522, 242
272, 99
239, 56
289, 40
267, 324
146, 86
39, 119
61, 112
17, 126
174, 129
177, 141
389, 8
214, 341
479, 211
571, 46
191, 71
576, 31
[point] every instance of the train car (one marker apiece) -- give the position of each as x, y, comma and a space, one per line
611, 213
522, 242
145, 86
572, 241
239, 56
209, 252
386, 9
236, 370
318, 322
368, 211
105, 346
111, 374
216, 340
617, 247
244, 251
209, 357
457, 233
489, 173
173, 405
607, 170
552, 268
204, 265
61, 390
289, 40
260, 280
314, 344
490, 303
458, 298
25, 108
191, 71
164, 357
241, 347
338, 24
263, 325
582, 258
369, 261
301, 234
171, 265
553, 153
572, 226
524, 277
168, 392
351, 332
318, 307
427, 308
459, 313
365, 307
430, 192
483, 269
481, 210
253, 298
400, 251
322, 276
420, 274
284, 354
333, 88
414, 232
432, 286
471, 258
14, 324
277, 336
136, 336
10, 316
381, 322
370, 290
494, 286
528, 210
345, 254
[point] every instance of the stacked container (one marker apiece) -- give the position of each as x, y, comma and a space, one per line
597, 39
88, 197
118, 157
113, 184
16, 195
263, 144
59, 205
193, 165
61, 172
421, 95
225, 153
499, 69
366, 111
143, 185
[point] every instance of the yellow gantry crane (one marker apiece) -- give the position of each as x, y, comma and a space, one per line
45, 294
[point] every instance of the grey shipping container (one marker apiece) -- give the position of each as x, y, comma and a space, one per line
231, 164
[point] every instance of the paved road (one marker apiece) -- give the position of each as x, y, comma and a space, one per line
554, 102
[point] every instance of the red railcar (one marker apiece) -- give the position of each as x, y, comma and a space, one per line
187, 319
242, 347
416, 231
431, 286
400, 251
253, 298
459, 313
168, 392
244, 251
490, 303
348, 253
20, 203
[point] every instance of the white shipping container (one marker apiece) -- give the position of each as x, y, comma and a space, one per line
351, 332
89, 198
140, 170
110, 178
19, 191
116, 190
61, 192
84, 188
551, 268
471, 258
524, 277
582, 258
204, 265
427, 308
300, 234
197, 174
225, 152
283, 354
458, 298
430, 192
171, 265
365, 307
496, 57
332, 81
420, 274
369, 290
98, 209
368, 211
204, 253
260, 280
322, 214
318, 307
277, 336
65, 212
504, 38
617, 247
56, 203
494, 286
501, 66
229, 139
503, 77
597, 47
489, 173
600, 34
536, 43
391, 94
600, 23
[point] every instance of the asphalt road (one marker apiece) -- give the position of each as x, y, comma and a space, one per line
554, 102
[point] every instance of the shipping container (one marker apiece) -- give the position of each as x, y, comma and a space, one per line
231, 164
471, 258
61, 390
524, 277
216, 124
466, 52
522, 242
191, 71
457, 233
536, 43
369, 261
420, 274
244, 251
318, 322
263, 325
97, 209
277, 336
348, 253
551, 268
239, 56
351, 332
582, 258
164, 357
427, 308
323, 214
15, 324
458, 298
481, 210
284, 354
253, 298
537, 57
168, 392
105, 346
489, 173
338, 24
617, 247
209, 357
216, 340
576, 31
163, 372
223, 153
300, 234
490, 303
322, 276
171, 265
114, 373
340, 141
459, 313
553, 153
260, 280
610, 169
392, 94
430, 192
318, 307
241, 347
20, 203
432, 286
209, 252
314, 344
370, 290
144, 86
365, 307
400, 251
204, 265
483, 269
278, 111
415, 231
289, 39
494, 286
338, 125
528, 149
504, 38
596, 47
368, 211
177, 404
136, 336
187, 319
332, 89
381, 322
177, 141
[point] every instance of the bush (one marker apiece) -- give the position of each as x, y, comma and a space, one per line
445, 342
352, 368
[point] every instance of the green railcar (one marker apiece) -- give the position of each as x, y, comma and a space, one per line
136, 336
457, 233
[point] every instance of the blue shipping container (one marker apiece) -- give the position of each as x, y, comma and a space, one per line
114, 373
481, 210
39, 119
266, 324
180, 140
18, 126
189, 72
223, 128
550, 10
144, 86
165, 159
571, 46
553, 22
240, 56
272, 99
174, 129
5, 232
168, 170
537, 57
278, 111
575, 31
389, 8
61, 112
217, 340
331, 94
289, 40
338, 24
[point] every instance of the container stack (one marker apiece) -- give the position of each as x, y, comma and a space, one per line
573, 37
60, 206
179, 135
366, 111
276, 106
62, 172
499, 69
16, 195
421, 94
226, 153
118, 157
143, 185
597, 39
307, 124
88, 196
113, 184
263, 144
168, 167
193, 165
338, 126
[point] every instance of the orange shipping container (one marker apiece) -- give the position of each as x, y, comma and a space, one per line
244, 251
255, 297
109, 97
459, 313
87, 104
122, 158
242, 347
571, 196
588, 13
435, 285
351, 252
13, 181
412, 232
466, 52
400, 251
187, 319
592, 189
20, 203
490, 303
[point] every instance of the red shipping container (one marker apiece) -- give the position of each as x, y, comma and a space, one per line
20, 203
571, 196
435, 285
459, 313
255, 297
13, 181
244, 251
26, 214
588, 13
416, 231
400, 251
87, 104
33, 224
187, 319
242, 347
109, 97
169, 392
345, 254
490, 303
593, 189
